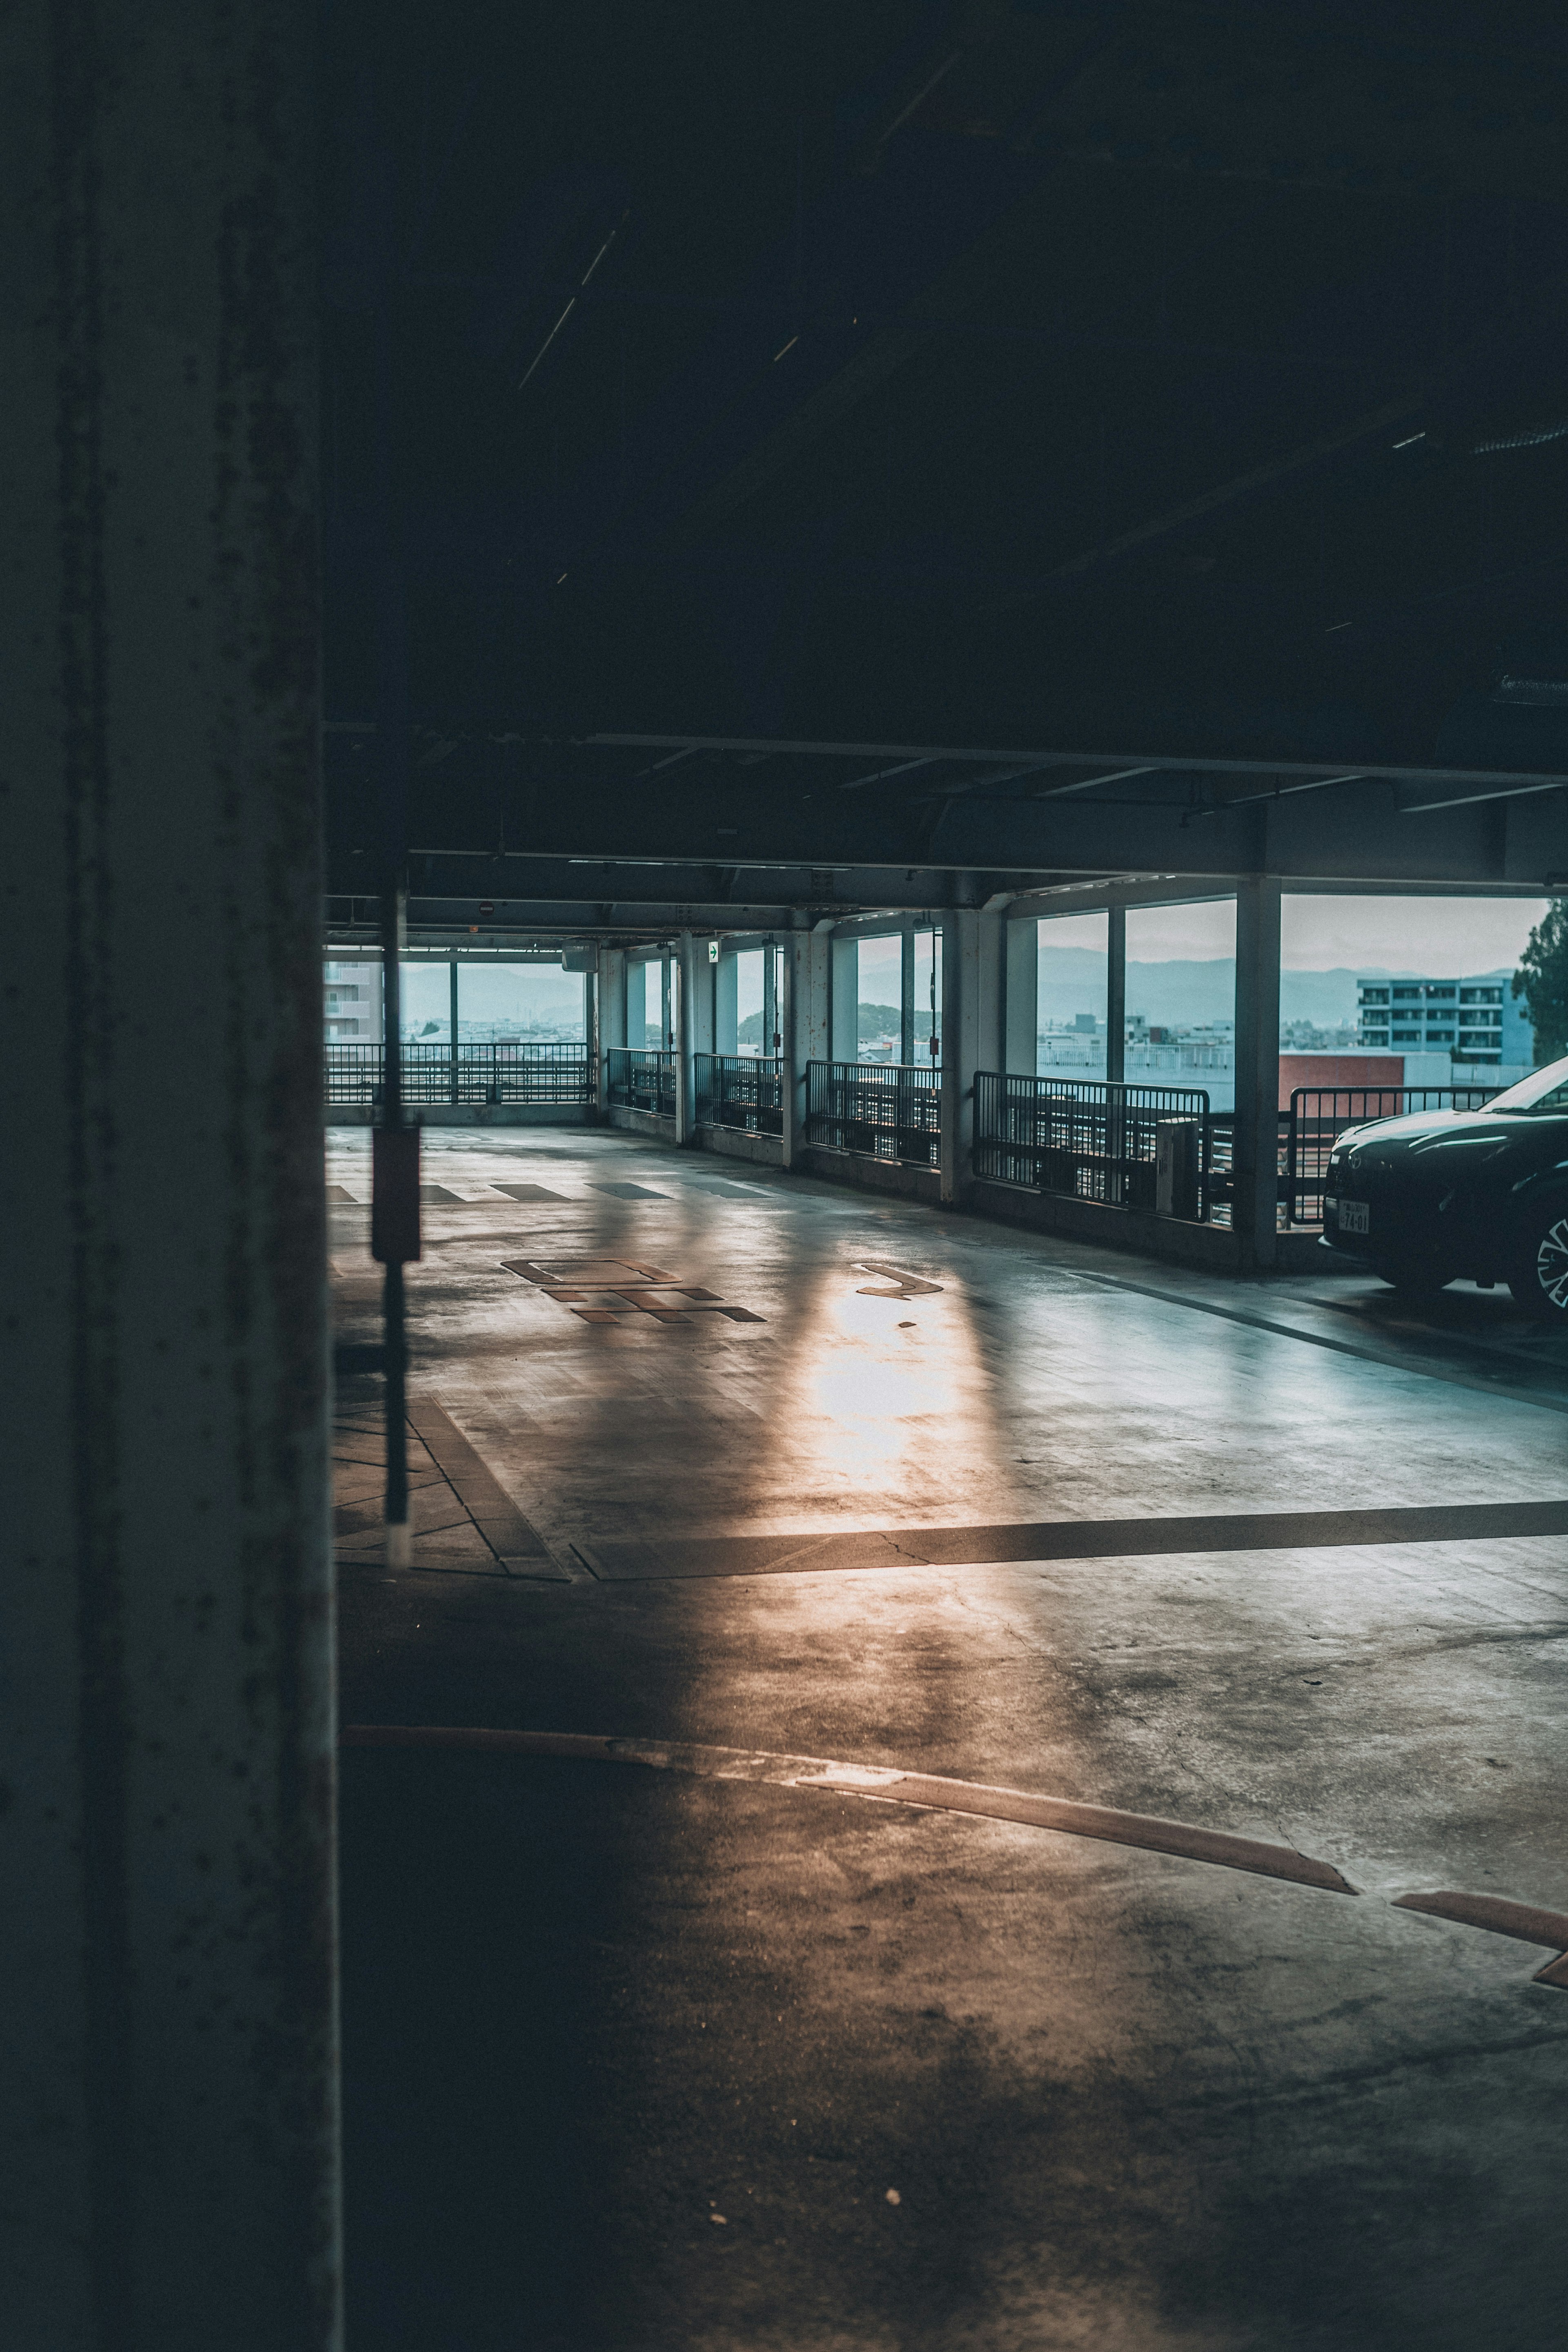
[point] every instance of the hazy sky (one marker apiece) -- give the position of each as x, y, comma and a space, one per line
1442, 936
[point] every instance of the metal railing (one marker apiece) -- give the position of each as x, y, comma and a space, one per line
884, 1111
1319, 1116
737, 1091
641, 1078
503, 1071
1131, 1147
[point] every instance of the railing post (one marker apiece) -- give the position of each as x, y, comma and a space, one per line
452, 1094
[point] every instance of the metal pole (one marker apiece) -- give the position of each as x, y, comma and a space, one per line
452, 1057
1115, 1050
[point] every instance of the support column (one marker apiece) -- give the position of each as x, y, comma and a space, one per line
1116, 993
1023, 953
907, 991
611, 1008
168, 2144
1256, 1149
961, 1035
452, 1023
683, 1013
807, 963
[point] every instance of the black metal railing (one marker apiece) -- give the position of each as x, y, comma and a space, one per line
641, 1078
735, 1091
884, 1111
501, 1071
1131, 1147
1319, 1116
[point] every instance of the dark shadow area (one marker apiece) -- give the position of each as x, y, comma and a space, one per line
473, 1906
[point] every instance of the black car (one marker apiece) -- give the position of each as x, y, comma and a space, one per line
1424, 1199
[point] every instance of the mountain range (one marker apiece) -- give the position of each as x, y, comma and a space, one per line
1072, 980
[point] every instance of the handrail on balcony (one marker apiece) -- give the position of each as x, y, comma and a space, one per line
1131, 1147
880, 1110
641, 1078
499, 1070
740, 1092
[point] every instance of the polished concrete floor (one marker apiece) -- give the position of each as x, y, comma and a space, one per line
646, 2059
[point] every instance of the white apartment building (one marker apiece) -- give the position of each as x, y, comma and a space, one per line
352, 993
1476, 1019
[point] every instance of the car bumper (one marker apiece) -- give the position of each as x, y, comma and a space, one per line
1357, 1250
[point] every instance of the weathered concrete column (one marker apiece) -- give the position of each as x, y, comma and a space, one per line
167, 1999
964, 999
610, 998
1254, 1208
805, 962
1116, 992
684, 1015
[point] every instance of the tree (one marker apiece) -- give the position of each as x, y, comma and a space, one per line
1542, 981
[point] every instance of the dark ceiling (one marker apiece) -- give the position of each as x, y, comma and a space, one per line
1079, 376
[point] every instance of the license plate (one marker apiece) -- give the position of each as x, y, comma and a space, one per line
1355, 1217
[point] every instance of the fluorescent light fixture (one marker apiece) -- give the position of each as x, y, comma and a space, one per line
1410, 439
788, 347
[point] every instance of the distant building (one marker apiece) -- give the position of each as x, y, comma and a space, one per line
1476, 1020
353, 1002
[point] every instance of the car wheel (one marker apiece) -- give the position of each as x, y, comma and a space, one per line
1539, 1278
1415, 1278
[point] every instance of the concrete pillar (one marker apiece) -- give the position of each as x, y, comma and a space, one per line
907, 991
1023, 996
1255, 1153
167, 1988
611, 998
682, 1015
844, 1002
806, 960
962, 1029
1116, 992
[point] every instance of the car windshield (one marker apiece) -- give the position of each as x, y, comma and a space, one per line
1544, 1090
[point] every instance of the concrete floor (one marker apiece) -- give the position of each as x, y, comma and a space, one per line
1124, 2099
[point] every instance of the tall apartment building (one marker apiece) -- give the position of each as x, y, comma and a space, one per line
1477, 1019
353, 1002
